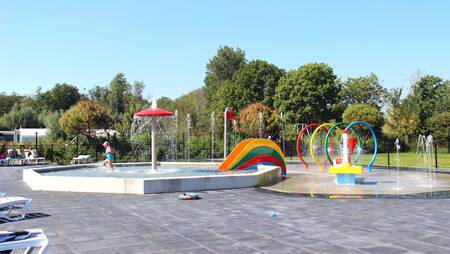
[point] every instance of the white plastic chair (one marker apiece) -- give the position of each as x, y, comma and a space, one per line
37, 239
10, 205
81, 159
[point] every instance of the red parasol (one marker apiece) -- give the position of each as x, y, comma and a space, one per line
154, 112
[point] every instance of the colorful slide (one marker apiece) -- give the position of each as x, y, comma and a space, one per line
251, 152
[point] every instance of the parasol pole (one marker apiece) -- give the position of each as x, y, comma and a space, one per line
153, 143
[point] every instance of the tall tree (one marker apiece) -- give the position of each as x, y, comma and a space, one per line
8, 101
402, 120
256, 82
428, 95
308, 94
60, 97
118, 97
221, 68
364, 90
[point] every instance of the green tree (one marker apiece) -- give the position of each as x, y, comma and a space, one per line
99, 94
429, 96
249, 121
308, 94
135, 103
363, 112
256, 82
8, 101
118, 97
60, 97
439, 124
50, 120
222, 67
364, 90
401, 120
83, 118
20, 116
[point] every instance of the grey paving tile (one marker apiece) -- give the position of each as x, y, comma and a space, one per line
231, 221
384, 250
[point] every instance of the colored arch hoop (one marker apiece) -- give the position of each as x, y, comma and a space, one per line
325, 145
374, 157
311, 150
297, 145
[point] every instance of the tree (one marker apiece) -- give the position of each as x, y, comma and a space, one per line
50, 120
84, 117
364, 90
8, 101
439, 124
222, 67
118, 96
99, 94
256, 81
60, 97
428, 96
363, 112
402, 120
20, 116
249, 121
308, 94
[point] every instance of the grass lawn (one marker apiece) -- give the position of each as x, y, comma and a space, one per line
406, 160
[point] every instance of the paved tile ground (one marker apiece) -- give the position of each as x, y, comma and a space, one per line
232, 221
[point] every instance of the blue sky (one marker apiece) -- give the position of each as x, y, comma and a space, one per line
167, 44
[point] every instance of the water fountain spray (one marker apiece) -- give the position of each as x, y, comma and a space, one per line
261, 124
234, 132
397, 149
153, 113
188, 127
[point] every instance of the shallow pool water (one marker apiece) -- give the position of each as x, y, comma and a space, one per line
142, 172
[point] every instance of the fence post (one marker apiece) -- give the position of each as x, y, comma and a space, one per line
389, 159
435, 155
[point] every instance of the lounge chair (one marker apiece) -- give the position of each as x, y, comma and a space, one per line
81, 159
14, 208
36, 239
4, 162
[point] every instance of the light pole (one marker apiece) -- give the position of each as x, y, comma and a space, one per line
36, 140
225, 132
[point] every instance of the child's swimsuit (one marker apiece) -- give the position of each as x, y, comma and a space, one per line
109, 155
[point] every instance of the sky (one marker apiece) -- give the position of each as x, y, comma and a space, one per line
167, 44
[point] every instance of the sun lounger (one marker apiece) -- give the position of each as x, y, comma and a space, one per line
81, 159
14, 208
4, 162
37, 161
35, 239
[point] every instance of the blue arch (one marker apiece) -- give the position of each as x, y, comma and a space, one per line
374, 157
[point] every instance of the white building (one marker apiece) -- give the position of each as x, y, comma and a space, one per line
28, 135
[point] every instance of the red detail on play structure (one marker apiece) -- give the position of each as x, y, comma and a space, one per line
338, 161
261, 159
230, 115
352, 144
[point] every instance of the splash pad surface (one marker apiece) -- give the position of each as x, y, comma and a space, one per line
380, 183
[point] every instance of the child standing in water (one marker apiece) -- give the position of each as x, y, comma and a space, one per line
109, 156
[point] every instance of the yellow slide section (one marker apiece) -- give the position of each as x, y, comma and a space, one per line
230, 158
